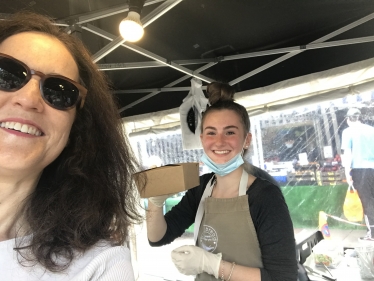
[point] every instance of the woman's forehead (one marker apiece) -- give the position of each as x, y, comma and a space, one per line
42, 52
225, 115
223, 119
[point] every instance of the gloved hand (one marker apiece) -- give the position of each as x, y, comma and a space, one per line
192, 260
160, 200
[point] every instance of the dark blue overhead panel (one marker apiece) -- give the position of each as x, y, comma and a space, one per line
189, 34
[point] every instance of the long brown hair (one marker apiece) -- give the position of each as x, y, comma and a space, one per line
87, 193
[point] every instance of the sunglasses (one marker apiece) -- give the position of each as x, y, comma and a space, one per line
57, 91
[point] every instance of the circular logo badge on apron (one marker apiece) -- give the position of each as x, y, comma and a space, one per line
208, 239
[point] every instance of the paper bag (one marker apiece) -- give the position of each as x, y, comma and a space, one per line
352, 207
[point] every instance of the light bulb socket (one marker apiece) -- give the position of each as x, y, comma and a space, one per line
134, 16
136, 6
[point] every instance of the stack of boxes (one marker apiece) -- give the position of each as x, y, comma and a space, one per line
330, 176
303, 175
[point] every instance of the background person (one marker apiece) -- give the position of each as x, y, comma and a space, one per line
243, 230
66, 195
358, 160
291, 148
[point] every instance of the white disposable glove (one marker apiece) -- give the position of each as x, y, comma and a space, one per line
160, 200
192, 260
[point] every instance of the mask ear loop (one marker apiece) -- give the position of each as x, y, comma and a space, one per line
244, 147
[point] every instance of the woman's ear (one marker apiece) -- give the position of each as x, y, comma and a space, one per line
248, 140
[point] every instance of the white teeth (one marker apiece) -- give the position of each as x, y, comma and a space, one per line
24, 128
31, 130
17, 126
221, 151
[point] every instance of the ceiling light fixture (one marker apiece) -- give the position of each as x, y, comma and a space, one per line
131, 27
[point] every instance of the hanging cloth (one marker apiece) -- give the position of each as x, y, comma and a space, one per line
190, 113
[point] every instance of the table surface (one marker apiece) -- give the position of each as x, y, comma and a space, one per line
347, 270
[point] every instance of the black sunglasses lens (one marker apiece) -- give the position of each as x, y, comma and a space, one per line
12, 74
60, 93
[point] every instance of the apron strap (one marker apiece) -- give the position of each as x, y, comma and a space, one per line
243, 183
200, 209
208, 192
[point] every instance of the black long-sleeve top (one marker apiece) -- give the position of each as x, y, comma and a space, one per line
271, 219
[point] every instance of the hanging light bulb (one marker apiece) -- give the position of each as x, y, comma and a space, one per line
131, 27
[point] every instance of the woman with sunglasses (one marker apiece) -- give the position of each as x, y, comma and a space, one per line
242, 226
66, 198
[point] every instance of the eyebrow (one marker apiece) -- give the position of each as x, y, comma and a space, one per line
225, 128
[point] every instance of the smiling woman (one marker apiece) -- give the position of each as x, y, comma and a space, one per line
66, 193
242, 226
22, 104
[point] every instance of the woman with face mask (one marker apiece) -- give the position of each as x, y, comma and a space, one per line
243, 230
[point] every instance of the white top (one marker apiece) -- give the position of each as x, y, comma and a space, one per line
101, 262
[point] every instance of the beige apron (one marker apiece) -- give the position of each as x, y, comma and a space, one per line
225, 226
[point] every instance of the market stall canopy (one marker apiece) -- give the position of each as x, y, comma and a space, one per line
351, 79
249, 44
316, 88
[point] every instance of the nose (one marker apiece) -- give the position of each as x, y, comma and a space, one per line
29, 96
220, 139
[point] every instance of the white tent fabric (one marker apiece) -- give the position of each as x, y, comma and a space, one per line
351, 79
152, 121
313, 88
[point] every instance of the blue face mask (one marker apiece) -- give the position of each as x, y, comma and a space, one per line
225, 168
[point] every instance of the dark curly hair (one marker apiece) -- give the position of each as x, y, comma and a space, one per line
221, 96
87, 193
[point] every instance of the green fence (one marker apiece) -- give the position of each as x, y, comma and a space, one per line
305, 203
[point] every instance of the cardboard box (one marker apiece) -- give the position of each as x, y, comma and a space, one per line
301, 173
329, 174
328, 183
168, 179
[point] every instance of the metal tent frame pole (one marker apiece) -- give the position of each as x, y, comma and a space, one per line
71, 23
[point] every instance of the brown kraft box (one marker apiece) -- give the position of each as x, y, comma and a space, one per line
167, 179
